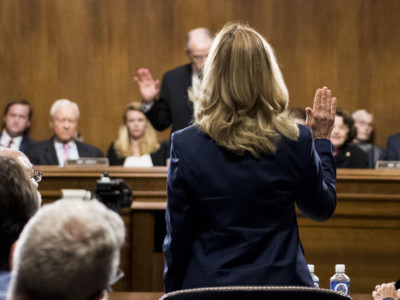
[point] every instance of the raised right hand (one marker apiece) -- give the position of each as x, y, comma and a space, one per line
322, 116
149, 88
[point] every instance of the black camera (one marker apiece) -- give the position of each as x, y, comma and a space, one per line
114, 193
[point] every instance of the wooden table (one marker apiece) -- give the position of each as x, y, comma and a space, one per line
134, 296
363, 233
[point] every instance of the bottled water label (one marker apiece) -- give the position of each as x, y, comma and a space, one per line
341, 287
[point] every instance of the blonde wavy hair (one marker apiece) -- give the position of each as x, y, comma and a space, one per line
243, 99
148, 142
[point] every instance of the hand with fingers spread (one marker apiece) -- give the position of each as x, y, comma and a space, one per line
149, 88
322, 116
385, 291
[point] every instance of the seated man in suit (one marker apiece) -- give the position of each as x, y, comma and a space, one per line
16, 123
365, 135
69, 250
18, 203
393, 147
173, 105
64, 116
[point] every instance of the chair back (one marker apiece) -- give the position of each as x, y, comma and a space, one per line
255, 293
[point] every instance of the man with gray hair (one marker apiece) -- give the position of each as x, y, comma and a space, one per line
64, 115
173, 105
364, 125
19, 201
70, 250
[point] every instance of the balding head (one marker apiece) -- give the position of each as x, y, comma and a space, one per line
198, 45
70, 250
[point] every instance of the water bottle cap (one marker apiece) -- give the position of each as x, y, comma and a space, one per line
311, 268
340, 268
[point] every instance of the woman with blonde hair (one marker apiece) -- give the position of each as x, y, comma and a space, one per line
236, 174
137, 144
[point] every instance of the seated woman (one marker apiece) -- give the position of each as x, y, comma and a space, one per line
346, 154
137, 144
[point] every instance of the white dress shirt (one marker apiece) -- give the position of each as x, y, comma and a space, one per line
5, 140
142, 161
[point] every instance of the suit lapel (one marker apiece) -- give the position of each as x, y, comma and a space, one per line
51, 152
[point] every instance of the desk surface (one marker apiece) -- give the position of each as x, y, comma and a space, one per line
134, 296
156, 296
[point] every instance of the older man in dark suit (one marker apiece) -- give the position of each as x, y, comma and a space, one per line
62, 146
173, 105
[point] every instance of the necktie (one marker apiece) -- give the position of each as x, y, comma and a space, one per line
10, 143
66, 154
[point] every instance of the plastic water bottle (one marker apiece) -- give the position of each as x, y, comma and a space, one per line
314, 277
340, 282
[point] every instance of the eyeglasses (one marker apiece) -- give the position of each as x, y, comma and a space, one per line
37, 176
364, 123
199, 58
114, 280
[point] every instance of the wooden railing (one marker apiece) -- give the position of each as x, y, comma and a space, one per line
364, 232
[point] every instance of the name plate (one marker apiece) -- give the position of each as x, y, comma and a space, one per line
88, 162
383, 164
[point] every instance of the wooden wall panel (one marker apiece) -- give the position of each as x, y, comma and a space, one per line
89, 50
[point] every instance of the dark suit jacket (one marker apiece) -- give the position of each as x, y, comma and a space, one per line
44, 153
231, 219
374, 153
159, 158
393, 147
25, 143
351, 156
173, 106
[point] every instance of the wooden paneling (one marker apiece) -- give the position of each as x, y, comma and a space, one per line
89, 50
363, 232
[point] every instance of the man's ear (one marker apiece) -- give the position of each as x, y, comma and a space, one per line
188, 54
12, 253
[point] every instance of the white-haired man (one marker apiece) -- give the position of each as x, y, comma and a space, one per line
173, 105
64, 115
19, 201
70, 250
364, 125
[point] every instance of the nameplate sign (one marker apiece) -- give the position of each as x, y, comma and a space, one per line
88, 162
383, 164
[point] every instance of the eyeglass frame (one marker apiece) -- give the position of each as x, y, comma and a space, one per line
37, 175
114, 280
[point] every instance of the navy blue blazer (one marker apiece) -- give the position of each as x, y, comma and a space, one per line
25, 144
393, 147
44, 153
173, 106
231, 219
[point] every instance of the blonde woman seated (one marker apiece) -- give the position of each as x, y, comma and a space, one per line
137, 144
